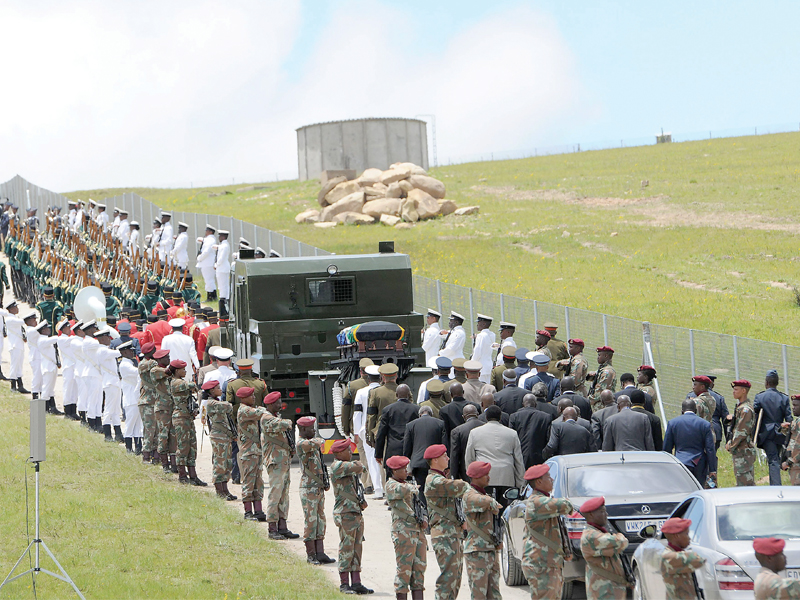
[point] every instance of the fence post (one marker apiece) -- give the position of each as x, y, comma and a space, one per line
605, 330
439, 296
566, 321
502, 307
471, 317
269, 240
691, 350
735, 357
785, 368
648, 352
284, 246
535, 315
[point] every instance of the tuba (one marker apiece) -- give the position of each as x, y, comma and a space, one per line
90, 303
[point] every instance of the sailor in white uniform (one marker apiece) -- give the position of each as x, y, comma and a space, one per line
454, 338
360, 405
180, 253
482, 348
205, 262
166, 240
69, 390
506, 339
129, 373
222, 266
133, 243
15, 327
431, 342
181, 347
124, 229
50, 363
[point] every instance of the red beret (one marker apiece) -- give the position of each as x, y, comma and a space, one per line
605, 349
161, 353
647, 368
768, 546
796, 397
741, 383
478, 469
435, 451
577, 342
675, 525
244, 392
397, 462
592, 505
536, 471
148, 348
341, 445
306, 421
702, 379
210, 384
177, 363
544, 332
272, 398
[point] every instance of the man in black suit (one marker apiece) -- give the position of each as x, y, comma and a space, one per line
509, 399
565, 403
392, 427
627, 430
487, 400
567, 437
458, 442
637, 405
419, 435
533, 428
539, 390
599, 416
628, 383
578, 401
451, 414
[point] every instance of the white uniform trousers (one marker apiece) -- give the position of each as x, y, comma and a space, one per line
210, 278
94, 390
133, 422
16, 355
374, 469
49, 383
36, 367
83, 395
112, 409
224, 284
70, 391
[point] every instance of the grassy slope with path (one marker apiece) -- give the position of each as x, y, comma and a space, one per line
125, 530
710, 243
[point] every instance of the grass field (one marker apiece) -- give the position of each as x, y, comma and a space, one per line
710, 243
125, 530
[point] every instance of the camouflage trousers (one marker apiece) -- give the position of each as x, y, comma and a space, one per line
351, 536
483, 574
278, 498
743, 462
545, 582
221, 461
167, 444
410, 548
185, 439
599, 588
449, 552
150, 441
794, 475
250, 467
312, 500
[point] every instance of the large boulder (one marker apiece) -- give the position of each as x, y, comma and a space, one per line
395, 191
392, 175
426, 204
446, 207
371, 193
353, 218
380, 186
390, 220
327, 187
428, 184
325, 225
415, 169
308, 216
406, 186
467, 210
408, 211
351, 203
383, 206
370, 177
341, 190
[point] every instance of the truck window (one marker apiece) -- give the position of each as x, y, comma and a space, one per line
331, 290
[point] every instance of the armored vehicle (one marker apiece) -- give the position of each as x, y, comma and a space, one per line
286, 314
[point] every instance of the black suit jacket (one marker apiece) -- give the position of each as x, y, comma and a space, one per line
581, 403
567, 437
648, 399
458, 444
510, 398
533, 428
419, 435
392, 428
548, 408
503, 418
451, 416
598, 421
655, 424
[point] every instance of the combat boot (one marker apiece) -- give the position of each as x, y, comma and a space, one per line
173, 464
284, 530
273, 532
3, 377
129, 445
182, 476
248, 511
416, 595
311, 553
118, 437
220, 491
13, 385
228, 492
258, 511
321, 556
344, 583
21, 388
137, 444
107, 433
145, 457
54, 409
401, 595
165, 463
356, 586
194, 479
35, 396
155, 459
83, 420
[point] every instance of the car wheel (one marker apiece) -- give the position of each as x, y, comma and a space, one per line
512, 568
638, 591
566, 590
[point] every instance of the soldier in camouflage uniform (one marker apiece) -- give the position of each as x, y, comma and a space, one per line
277, 439
162, 409
251, 460
602, 550
543, 338
742, 445
768, 584
543, 553
576, 365
313, 485
348, 397
480, 547
792, 462
447, 527
347, 509
644, 380
605, 378
677, 563
408, 535
706, 405
183, 422
146, 400
219, 414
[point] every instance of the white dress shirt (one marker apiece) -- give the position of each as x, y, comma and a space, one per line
180, 253
206, 256
165, 241
360, 416
482, 352
124, 232
454, 348
509, 341
181, 347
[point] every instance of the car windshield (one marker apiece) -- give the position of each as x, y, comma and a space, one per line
624, 479
762, 519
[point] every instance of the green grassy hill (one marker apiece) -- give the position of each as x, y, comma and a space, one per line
710, 242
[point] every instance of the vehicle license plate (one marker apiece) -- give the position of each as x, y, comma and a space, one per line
639, 524
793, 573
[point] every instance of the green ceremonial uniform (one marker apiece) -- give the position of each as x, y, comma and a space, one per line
741, 446
4, 285
51, 311
441, 494
147, 303
496, 376
543, 551
436, 403
480, 550
191, 294
113, 306
677, 567
605, 576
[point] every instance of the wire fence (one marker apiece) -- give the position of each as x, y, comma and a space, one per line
678, 353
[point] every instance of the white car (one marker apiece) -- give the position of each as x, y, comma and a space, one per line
724, 523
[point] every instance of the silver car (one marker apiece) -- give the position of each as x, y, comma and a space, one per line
724, 523
641, 489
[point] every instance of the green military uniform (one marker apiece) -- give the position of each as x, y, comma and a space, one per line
162, 408
496, 376
604, 379
480, 550
347, 513
213, 338
742, 446
793, 452
183, 421
278, 458
191, 294
771, 586
4, 285
312, 489
51, 310
558, 351
146, 401
677, 567
543, 551
460, 377
148, 302
219, 413
648, 389
379, 398
706, 405
441, 494
577, 368
113, 306
251, 459
408, 537
605, 576
436, 400
249, 381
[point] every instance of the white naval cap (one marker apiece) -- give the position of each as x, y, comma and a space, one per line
182, 224
211, 227
434, 313
224, 232
372, 370
166, 214
507, 325
455, 315
177, 323
480, 317
61, 323
224, 354
39, 326
125, 345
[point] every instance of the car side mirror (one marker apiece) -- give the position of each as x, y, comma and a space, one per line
511, 494
648, 532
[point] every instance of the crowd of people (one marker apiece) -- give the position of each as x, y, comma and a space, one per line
441, 457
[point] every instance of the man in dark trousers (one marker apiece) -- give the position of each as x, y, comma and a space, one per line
567, 437
637, 406
777, 410
533, 428
419, 435
509, 399
458, 442
578, 401
627, 430
451, 414
392, 428
692, 440
542, 362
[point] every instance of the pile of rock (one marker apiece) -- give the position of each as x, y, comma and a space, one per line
404, 193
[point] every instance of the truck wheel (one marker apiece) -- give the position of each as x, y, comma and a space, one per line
512, 568
337, 407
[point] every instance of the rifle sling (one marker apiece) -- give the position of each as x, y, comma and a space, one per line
401, 510
546, 541
475, 529
610, 575
278, 442
442, 513
313, 477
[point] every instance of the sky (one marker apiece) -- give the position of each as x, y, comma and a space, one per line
171, 94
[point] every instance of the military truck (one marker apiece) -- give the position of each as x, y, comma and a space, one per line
286, 313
